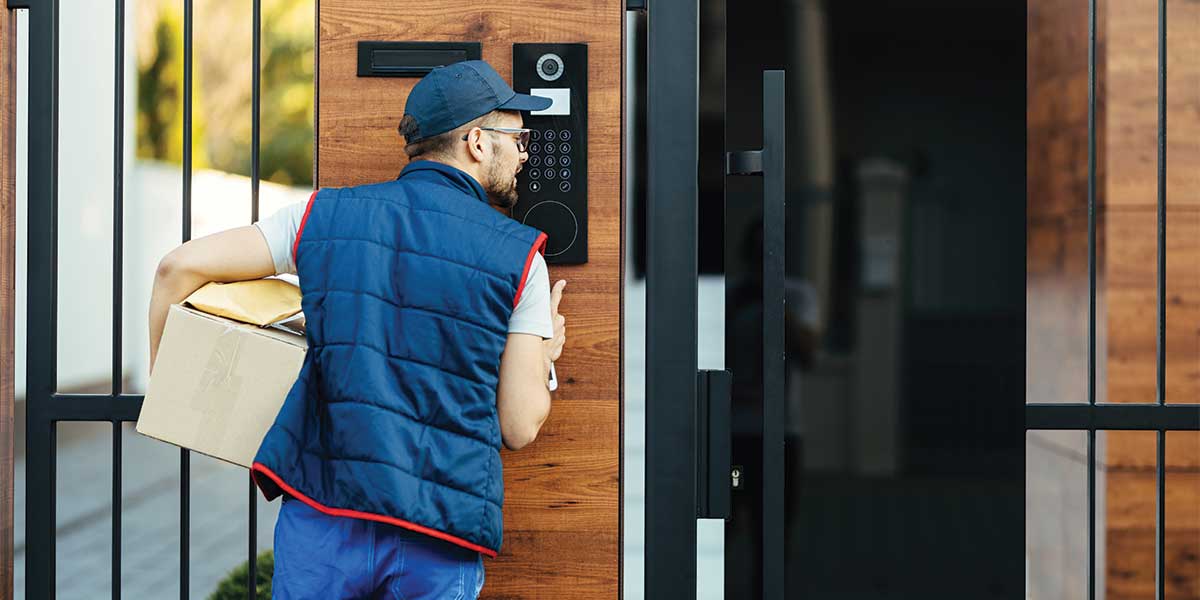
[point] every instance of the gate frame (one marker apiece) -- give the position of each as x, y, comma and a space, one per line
45, 407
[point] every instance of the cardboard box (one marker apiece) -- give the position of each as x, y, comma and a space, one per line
218, 383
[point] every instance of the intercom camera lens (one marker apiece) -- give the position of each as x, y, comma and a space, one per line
549, 67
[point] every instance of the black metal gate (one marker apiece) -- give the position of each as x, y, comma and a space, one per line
676, 452
672, 379
46, 407
1159, 416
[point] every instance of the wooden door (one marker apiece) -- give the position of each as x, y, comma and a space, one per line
562, 511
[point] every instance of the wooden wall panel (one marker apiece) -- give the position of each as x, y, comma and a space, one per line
8, 281
1131, 97
1057, 105
562, 506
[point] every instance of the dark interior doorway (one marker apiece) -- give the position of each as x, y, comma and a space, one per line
906, 294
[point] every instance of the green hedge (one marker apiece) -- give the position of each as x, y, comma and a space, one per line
233, 587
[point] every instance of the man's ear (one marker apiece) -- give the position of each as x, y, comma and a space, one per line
475, 144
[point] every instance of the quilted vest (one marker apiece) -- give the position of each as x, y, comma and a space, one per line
407, 290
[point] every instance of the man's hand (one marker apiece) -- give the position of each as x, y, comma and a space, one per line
554, 345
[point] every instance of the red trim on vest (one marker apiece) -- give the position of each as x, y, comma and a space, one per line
539, 245
303, 220
354, 514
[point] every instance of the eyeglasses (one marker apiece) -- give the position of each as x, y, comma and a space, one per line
521, 133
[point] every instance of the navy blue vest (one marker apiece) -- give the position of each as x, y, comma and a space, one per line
407, 290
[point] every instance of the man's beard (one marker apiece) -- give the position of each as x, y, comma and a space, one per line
502, 186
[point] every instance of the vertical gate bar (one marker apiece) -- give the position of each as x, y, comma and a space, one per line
1160, 366
185, 459
118, 270
118, 193
252, 549
1160, 520
1091, 358
1091, 514
116, 510
672, 115
1091, 204
41, 300
1161, 358
256, 103
255, 135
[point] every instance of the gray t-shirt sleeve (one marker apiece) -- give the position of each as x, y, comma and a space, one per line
280, 231
532, 314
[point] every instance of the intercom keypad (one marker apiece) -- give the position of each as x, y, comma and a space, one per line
552, 187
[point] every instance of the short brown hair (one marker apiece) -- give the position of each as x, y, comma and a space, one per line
441, 144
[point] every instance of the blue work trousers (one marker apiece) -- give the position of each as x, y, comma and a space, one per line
323, 557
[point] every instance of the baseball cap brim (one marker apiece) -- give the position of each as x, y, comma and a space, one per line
526, 102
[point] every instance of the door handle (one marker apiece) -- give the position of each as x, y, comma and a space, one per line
770, 163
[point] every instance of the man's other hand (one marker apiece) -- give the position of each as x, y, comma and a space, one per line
554, 345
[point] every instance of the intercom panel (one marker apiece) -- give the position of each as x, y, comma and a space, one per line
553, 185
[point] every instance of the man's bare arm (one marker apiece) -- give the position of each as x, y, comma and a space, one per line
233, 255
522, 398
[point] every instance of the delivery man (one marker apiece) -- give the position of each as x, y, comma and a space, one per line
431, 332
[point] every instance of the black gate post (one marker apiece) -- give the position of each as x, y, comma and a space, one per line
671, 305
41, 341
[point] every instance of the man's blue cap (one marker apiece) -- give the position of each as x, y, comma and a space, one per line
458, 93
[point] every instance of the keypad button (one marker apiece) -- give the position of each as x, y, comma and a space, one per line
550, 160
564, 135
565, 173
550, 135
535, 148
535, 174
549, 173
564, 161
535, 134
550, 148
564, 148
535, 186
534, 161
564, 186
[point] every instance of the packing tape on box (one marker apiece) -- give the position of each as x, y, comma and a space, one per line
219, 387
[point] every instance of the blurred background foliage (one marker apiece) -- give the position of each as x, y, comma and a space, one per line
221, 86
